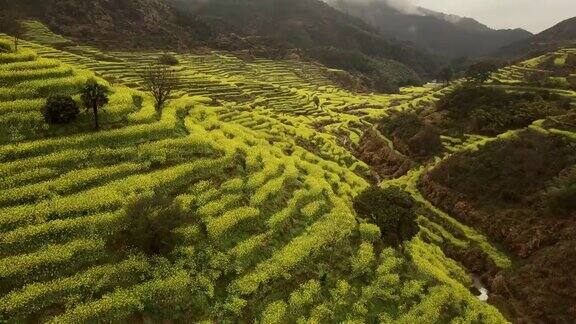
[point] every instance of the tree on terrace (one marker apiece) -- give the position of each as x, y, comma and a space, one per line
161, 81
10, 24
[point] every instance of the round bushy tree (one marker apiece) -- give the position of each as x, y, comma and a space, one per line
446, 74
168, 59
94, 96
480, 72
392, 209
60, 110
149, 223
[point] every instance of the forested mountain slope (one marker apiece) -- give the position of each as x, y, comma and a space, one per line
120, 24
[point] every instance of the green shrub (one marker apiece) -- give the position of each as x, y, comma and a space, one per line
60, 110
5, 46
274, 313
137, 101
392, 209
369, 232
168, 59
150, 220
560, 199
362, 262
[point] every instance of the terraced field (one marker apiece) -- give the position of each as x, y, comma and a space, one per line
266, 180
551, 66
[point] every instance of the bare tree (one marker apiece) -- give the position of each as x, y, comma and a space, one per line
10, 24
161, 81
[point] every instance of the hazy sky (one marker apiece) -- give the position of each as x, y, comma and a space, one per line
533, 15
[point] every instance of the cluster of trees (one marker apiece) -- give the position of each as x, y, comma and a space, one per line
158, 79
515, 172
492, 111
61, 109
478, 72
412, 135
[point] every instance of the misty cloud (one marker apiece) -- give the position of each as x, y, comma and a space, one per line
405, 6
533, 15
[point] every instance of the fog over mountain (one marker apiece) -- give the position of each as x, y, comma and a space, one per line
444, 34
532, 15
510, 14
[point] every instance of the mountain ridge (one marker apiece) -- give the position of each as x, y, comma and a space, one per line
560, 35
306, 24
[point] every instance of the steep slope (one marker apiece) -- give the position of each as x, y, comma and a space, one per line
517, 190
447, 35
518, 185
560, 35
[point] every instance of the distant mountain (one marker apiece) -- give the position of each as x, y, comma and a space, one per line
560, 35
305, 24
447, 35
